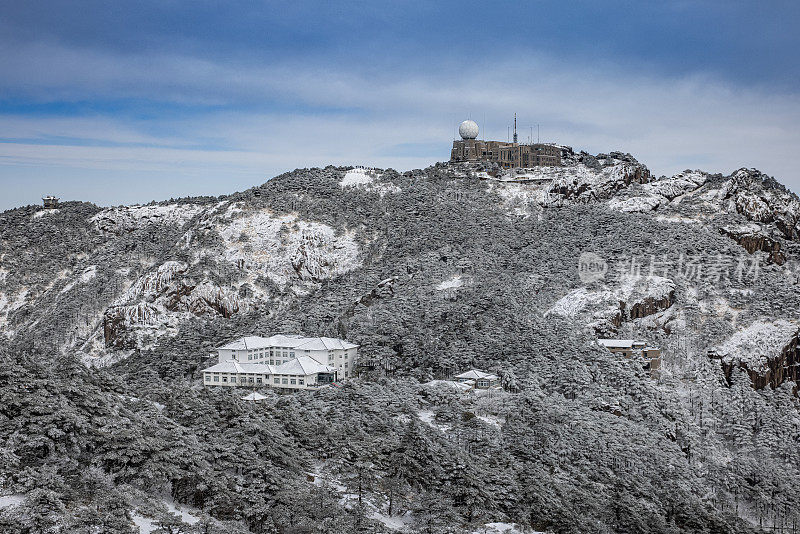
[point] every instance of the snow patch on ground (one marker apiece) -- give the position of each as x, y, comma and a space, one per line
358, 176
84, 278
10, 501
491, 420
503, 528
145, 525
185, 516
450, 283
758, 343
7, 307
393, 522
520, 198
367, 179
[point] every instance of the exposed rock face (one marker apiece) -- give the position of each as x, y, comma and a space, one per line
752, 240
126, 219
605, 310
767, 351
675, 186
119, 320
156, 300
589, 184
769, 203
650, 305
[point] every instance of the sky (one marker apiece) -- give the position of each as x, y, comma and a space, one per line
128, 102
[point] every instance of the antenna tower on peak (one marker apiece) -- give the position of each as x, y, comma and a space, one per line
515, 127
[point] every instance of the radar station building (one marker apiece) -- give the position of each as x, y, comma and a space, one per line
508, 155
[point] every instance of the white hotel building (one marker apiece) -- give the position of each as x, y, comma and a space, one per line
290, 362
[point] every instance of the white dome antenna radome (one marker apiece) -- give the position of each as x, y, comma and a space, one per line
468, 129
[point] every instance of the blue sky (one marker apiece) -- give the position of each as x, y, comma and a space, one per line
129, 102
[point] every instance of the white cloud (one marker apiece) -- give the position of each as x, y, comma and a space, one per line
669, 124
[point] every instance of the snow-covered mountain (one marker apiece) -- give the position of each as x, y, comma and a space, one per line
438, 270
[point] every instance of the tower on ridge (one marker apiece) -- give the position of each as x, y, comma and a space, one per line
515, 127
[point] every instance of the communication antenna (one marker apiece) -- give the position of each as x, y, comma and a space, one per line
531, 137
537, 133
484, 126
515, 127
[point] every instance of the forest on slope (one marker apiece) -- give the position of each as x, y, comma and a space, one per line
108, 315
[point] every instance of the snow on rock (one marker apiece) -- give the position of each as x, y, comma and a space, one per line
758, 344
578, 300
582, 184
636, 204
633, 297
677, 185
154, 282
42, 213
158, 300
678, 219
129, 218
284, 247
761, 199
575, 182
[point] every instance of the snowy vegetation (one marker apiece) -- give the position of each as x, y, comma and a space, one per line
432, 272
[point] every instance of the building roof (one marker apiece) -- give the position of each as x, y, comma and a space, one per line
616, 343
324, 343
232, 366
302, 365
291, 341
475, 374
254, 396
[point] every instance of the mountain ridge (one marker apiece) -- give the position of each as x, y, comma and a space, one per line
433, 271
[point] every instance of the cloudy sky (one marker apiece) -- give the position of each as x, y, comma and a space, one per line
122, 102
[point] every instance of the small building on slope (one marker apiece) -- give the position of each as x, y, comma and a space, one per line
478, 379
628, 348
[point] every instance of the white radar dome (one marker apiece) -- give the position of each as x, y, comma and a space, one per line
468, 130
